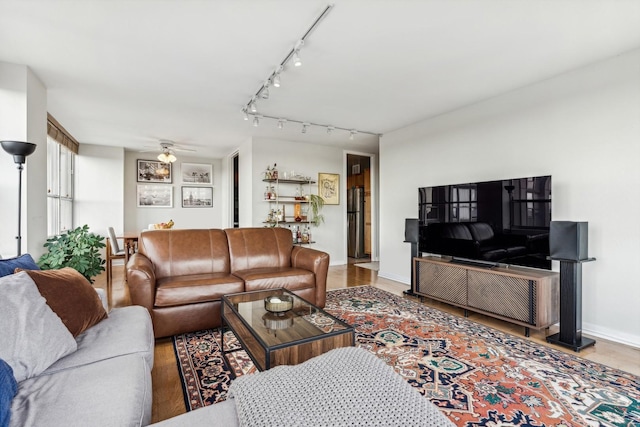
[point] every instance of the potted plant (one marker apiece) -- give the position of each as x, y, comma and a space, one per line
316, 203
78, 249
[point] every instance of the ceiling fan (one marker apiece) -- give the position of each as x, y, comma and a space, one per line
167, 150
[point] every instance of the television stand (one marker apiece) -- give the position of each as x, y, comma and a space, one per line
523, 296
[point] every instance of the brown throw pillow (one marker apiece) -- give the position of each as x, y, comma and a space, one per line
71, 297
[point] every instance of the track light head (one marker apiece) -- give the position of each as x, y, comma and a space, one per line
330, 129
253, 107
246, 115
276, 80
305, 126
352, 134
256, 121
264, 93
281, 123
297, 62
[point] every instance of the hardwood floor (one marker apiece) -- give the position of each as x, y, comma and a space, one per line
167, 391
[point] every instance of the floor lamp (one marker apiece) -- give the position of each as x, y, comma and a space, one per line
19, 150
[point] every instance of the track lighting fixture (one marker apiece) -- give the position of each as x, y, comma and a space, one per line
306, 125
250, 108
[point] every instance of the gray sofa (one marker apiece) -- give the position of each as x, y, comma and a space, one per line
105, 382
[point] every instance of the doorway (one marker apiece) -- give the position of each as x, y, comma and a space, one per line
236, 190
359, 208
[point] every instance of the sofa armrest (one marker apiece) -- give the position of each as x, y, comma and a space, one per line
141, 279
317, 262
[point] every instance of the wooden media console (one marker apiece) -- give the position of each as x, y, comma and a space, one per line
522, 296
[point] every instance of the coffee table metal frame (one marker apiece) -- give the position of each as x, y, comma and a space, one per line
290, 349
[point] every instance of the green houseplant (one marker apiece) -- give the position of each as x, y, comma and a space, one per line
316, 203
78, 249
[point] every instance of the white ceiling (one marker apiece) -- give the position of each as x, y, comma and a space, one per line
129, 73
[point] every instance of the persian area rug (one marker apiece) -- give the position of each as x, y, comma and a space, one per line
476, 375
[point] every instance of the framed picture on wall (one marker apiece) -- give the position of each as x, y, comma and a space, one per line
154, 171
197, 173
197, 197
329, 188
154, 196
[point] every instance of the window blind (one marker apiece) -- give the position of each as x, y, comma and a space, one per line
56, 131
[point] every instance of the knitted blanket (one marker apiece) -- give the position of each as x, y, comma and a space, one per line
344, 387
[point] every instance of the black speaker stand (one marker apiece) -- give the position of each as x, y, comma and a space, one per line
570, 334
414, 253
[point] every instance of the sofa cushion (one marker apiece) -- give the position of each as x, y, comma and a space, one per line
8, 389
278, 277
127, 330
71, 297
8, 266
180, 290
114, 392
185, 252
33, 337
259, 248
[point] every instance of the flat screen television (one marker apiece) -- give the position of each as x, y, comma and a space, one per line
488, 223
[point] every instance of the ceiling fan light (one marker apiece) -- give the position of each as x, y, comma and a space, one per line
167, 157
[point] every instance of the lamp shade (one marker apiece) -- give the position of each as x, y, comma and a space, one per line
18, 149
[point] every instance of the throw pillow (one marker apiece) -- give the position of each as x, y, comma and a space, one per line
32, 335
8, 390
8, 266
71, 297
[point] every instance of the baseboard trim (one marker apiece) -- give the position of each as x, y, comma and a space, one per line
611, 335
395, 277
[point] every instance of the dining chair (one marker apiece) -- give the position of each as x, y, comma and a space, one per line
113, 252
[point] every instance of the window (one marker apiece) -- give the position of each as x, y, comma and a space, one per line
60, 168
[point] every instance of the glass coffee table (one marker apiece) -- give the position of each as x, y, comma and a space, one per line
286, 338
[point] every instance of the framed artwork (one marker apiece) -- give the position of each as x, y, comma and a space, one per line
197, 197
154, 171
197, 173
329, 188
154, 196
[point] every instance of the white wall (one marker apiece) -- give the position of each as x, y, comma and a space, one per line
583, 128
309, 160
137, 219
23, 115
99, 188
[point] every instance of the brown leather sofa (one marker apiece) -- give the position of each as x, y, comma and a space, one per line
180, 276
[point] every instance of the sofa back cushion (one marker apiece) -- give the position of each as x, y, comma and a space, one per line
481, 231
456, 231
185, 252
259, 247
